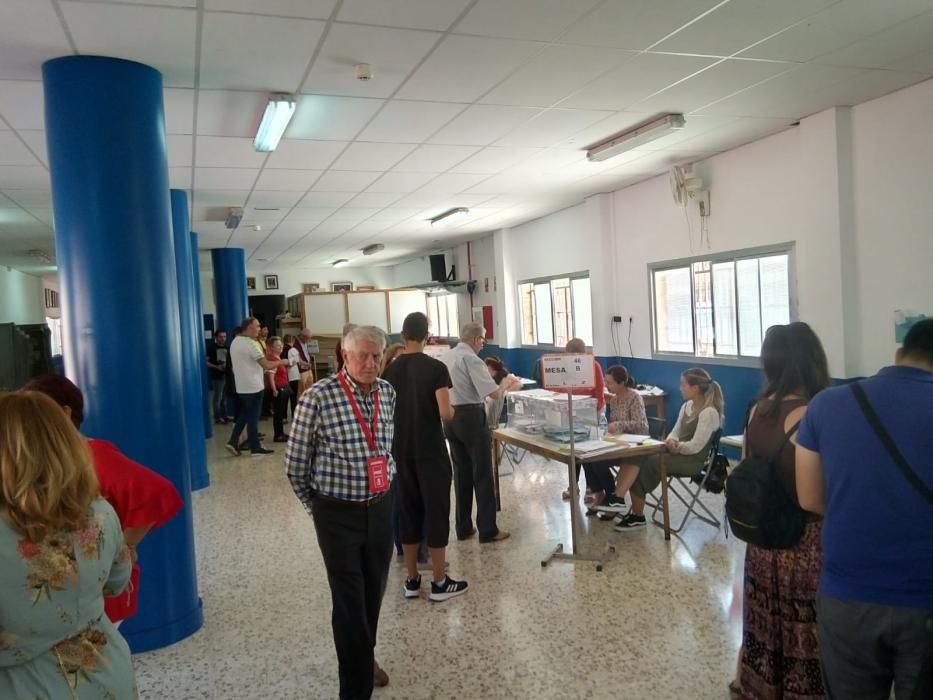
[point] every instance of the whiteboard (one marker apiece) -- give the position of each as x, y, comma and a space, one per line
368, 309
325, 313
403, 302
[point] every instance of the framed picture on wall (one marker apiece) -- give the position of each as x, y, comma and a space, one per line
310, 287
271, 281
251, 283
366, 288
341, 286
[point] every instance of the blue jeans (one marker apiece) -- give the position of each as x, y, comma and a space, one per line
250, 407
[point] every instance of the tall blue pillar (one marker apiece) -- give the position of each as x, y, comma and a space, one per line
229, 287
205, 376
113, 232
189, 338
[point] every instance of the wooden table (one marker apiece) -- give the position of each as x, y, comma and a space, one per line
656, 400
561, 453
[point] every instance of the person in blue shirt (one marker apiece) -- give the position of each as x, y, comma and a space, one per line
875, 597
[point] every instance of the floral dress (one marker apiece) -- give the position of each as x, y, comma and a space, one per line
55, 641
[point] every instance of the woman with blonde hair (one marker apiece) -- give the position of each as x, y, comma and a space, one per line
389, 356
61, 552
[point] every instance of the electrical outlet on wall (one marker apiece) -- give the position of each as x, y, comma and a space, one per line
617, 319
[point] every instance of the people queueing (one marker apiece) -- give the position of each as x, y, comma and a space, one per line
217, 370
339, 462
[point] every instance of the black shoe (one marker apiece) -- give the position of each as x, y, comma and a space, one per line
280, 438
467, 535
233, 449
612, 504
630, 522
413, 587
261, 451
447, 589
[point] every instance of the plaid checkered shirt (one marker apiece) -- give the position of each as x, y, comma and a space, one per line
327, 452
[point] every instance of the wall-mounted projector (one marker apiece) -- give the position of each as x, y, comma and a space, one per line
234, 217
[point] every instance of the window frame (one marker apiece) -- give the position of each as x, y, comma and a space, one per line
570, 277
435, 320
788, 248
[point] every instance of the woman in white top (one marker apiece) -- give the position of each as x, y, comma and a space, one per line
688, 444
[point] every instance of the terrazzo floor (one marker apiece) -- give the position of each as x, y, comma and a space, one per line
663, 620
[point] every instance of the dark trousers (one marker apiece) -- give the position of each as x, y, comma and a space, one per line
356, 542
471, 451
218, 397
865, 648
599, 478
266, 404
280, 410
248, 406
293, 399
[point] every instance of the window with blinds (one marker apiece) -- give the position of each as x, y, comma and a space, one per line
720, 306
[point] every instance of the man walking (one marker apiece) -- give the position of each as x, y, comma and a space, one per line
217, 366
468, 434
339, 462
249, 361
865, 459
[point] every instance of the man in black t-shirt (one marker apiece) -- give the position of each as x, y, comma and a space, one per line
217, 366
422, 386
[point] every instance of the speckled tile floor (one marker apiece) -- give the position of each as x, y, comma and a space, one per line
663, 620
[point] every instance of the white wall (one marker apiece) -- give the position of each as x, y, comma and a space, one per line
21, 299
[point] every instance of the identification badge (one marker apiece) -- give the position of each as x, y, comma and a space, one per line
378, 473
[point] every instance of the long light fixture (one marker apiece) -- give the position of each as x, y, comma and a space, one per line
275, 120
449, 217
633, 138
340, 263
373, 249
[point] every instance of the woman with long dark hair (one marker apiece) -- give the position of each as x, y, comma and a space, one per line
779, 657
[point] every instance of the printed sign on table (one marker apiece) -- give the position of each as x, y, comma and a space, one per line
567, 372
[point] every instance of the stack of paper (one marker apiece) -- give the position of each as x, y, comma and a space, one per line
588, 448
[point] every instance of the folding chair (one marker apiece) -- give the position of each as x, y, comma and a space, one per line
689, 492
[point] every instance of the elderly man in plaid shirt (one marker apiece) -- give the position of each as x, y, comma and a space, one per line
339, 462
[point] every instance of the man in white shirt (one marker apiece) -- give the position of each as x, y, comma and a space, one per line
468, 434
249, 361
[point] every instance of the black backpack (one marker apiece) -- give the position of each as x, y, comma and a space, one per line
758, 508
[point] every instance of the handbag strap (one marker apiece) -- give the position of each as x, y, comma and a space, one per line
872, 416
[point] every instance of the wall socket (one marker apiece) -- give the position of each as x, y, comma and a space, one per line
617, 319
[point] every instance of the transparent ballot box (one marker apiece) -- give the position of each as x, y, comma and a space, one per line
546, 414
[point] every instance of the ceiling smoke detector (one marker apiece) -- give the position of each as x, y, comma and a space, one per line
364, 71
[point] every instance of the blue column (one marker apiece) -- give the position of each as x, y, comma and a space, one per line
189, 338
113, 233
205, 376
229, 287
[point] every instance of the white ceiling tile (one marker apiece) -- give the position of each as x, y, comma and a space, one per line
229, 113
127, 32
463, 68
41, 199
311, 9
326, 199
887, 48
14, 152
179, 150
265, 198
374, 200
869, 85
552, 126
393, 53
635, 80
735, 132
541, 20
836, 27
179, 110
736, 25
224, 178
435, 159
599, 131
494, 159
13, 215
30, 34
634, 24
20, 177
451, 183
179, 178
252, 52
228, 152
393, 215
409, 122
417, 14
480, 125
308, 216
372, 156
344, 181
918, 63
400, 182
331, 118
554, 74
714, 83
297, 154
22, 104
221, 197
352, 214
287, 180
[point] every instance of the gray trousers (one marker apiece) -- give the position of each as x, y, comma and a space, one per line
865, 648
471, 451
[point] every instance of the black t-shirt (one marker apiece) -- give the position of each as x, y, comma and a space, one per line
418, 432
217, 355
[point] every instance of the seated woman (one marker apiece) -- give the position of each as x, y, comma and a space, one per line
626, 415
61, 552
498, 372
142, 499
699, 419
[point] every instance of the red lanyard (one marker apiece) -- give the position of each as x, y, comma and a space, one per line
369, 432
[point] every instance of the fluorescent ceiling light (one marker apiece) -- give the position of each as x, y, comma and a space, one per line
340, 263
449, 217
373, 249
275, 120
633, 138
